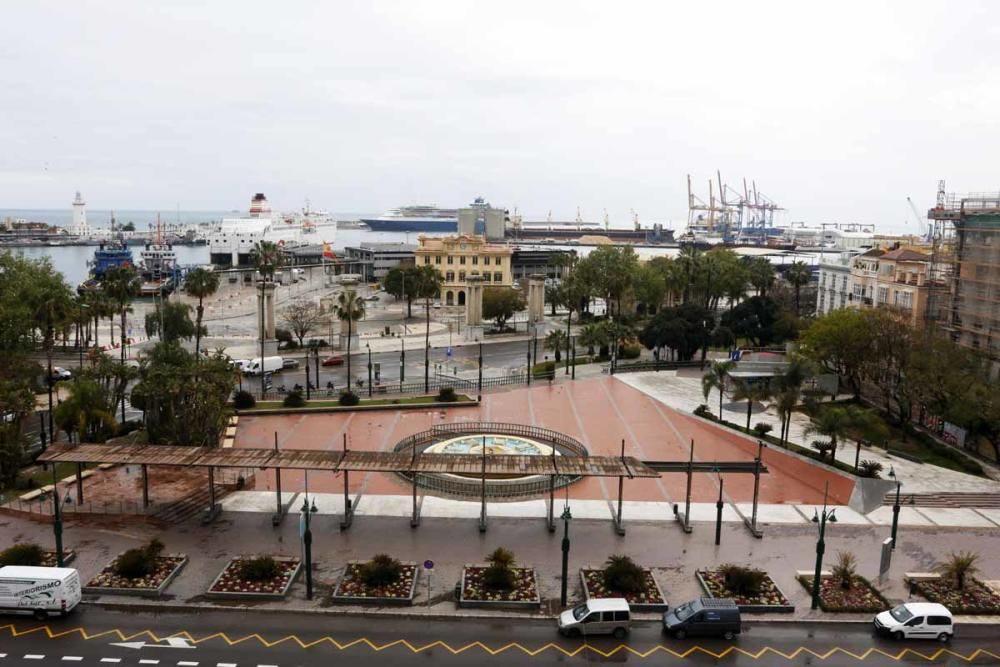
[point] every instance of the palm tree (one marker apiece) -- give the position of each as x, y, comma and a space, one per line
688, 262
789, 391
428, 287
349, 308
85, 411
199, 283
785, 401
556, 341
761, 274
798, 274
715, 378
959, 566
121, 285
833, 422
751, 392
592, 336
266, 257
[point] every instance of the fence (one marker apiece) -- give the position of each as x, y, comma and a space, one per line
414, 387
640, 366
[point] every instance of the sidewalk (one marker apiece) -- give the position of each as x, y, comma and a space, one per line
453, 542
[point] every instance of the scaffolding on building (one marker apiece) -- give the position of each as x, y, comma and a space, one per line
965, 268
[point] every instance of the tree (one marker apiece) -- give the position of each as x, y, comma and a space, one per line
593, 337
428, 287
200, 283
556, 341
959, 567
846, 569
835, 423
610, 270
684, 329
171, 322
649, 288
128, 227
688, 263
716, 378
86, 411
798, 274
760, 321
500, 304
350, 307
760, 272
403, 282
302, 317
266, 257
840, 342
121, 284
788, 390
751, 392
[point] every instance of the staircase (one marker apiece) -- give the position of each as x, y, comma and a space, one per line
945, 499
188, 507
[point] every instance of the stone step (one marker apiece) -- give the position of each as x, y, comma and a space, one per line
946, 499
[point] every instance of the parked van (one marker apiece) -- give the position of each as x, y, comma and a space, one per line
704, 617
916, 620
267, 365
42, 591
606, 616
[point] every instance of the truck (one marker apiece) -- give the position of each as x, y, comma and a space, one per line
267, 365
40, 591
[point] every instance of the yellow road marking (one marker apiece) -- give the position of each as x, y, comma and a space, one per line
766, 651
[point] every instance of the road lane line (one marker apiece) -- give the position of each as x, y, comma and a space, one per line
34, 656
111, 659
182, 663
72, 658
225, 664
149, 662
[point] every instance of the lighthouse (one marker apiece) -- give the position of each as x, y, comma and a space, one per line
80, 226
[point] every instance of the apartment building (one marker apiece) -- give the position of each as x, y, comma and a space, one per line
835, 285
897, 279
457, 257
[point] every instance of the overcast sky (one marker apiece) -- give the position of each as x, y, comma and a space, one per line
839, 111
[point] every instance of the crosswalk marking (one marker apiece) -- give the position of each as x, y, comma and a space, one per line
111, 659
72, 658
225, 664
34, 656
149, 662
187, 664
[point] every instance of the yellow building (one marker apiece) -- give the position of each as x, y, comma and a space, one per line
457, 257
897, 279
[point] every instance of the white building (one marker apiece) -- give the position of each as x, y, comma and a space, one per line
841, 239
835, 283
80, 226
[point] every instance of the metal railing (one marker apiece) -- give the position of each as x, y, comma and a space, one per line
414, 387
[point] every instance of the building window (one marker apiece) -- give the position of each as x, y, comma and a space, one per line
475, 260
449, 277
451, 260
427, 259
461, 276
437, 259
461, 260
486, 276
883, 295
497, 277
904, 300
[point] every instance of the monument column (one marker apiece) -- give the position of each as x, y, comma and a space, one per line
474, 308
536, 298
265, 311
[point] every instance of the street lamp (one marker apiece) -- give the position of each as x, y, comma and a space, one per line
718, 511
895, 506
307, 511
821, 519
315, 353
368, 345
57, 524
566, 516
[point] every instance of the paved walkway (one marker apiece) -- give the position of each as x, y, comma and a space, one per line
681, 390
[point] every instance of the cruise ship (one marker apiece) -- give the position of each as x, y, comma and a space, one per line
420, 219
233, 243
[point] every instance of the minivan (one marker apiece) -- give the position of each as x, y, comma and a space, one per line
704, 617
605, 616
916, 620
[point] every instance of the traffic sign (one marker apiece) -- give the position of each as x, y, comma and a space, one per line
449, 352
428, 564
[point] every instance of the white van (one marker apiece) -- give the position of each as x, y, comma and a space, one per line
269, 365
42, 591
605, 616
916, 620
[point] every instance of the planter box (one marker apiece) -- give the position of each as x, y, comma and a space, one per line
633, 602
531, 604
169, 567
49, 558
290, 570
871, 600
977, 598
340, 597
752, 608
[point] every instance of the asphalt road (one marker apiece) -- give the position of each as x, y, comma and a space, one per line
93, 637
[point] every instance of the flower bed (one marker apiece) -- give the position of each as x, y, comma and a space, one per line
650, 599
770, 600
167, 567
230, 585
352, 590
474, 593
50, 559
860, 597
977, 598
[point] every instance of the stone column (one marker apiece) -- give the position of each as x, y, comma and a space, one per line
265, 305
536, 298
474, 308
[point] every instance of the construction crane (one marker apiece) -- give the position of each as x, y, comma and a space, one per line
916, 217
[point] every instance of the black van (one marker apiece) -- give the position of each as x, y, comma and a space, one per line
704, 617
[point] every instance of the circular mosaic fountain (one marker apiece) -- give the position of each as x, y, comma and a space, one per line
496, 439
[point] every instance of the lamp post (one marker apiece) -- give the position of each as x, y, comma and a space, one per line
315, 353
895, 507
368, 345
79, 336
718, 512
821, 519
308, 382
402, 359
57, 524
307, 538
566, 516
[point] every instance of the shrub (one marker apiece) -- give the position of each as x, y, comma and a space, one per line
959, 567
22, 554
761, 429
703, 411
259, 568
623, 575
631, 351
126, 427
381, 570
294, 399
244, 400
139, 562
869, 468
349, 398
446, 395
498, 578
845, 569
545, 369
743, 581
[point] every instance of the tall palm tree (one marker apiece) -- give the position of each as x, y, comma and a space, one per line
761, 274
716, 378
689, 261
121, 285
798, 274
428, 287
788, 391
785, 401
349, 308
200, 283
835, 423
593, 336
751, 392
85, 411
556, 341
266, 257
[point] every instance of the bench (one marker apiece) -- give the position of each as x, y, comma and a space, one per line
911, 578
228, 443
32, 495
106, 466
231, 432
808, 574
